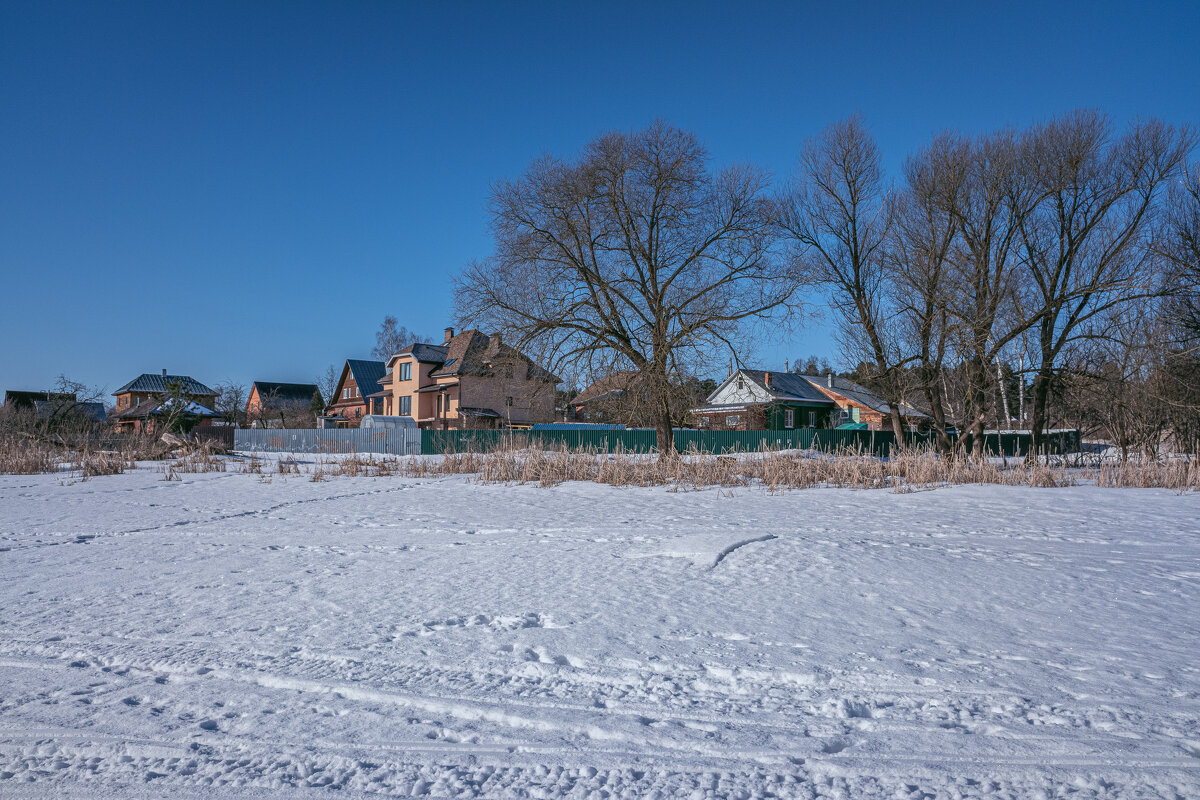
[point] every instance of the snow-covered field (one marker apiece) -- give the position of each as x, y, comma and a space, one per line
222, 636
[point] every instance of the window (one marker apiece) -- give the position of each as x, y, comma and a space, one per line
406, 371
789, 418
405, 406
732, 420
508, 401
741, 384
812, 419
439, 403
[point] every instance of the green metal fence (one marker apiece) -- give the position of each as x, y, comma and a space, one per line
644, 441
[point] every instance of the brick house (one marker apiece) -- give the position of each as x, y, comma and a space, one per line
357, 393
141, 400
285, 405
468, 381
752, 399
857, 404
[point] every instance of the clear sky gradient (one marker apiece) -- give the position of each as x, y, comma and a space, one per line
243, 190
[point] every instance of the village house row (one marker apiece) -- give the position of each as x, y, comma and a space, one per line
476, 381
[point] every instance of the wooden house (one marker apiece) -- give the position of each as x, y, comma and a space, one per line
357, 393
140, 400
752, 399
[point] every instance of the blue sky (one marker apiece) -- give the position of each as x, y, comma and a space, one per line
243, 190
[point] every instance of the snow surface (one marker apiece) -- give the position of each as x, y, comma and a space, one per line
227, 637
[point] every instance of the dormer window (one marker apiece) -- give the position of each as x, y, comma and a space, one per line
406, 371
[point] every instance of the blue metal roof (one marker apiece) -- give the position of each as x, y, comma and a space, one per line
367, 374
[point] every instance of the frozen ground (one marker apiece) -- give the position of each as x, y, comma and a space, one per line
222, 637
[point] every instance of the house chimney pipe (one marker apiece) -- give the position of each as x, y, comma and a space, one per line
829, 380
767, 379
164, 373
449, 334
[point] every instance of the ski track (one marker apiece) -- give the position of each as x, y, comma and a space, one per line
237, 637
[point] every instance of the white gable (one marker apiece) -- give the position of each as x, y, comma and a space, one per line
729, 393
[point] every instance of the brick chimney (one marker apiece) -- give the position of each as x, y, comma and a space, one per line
449, 335
767, 379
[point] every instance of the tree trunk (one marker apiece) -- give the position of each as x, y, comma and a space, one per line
663, 429
1037, 421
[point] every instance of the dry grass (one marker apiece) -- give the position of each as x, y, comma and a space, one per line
22, 455
912, 470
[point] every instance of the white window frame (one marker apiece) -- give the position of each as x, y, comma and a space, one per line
789, 418
812, 419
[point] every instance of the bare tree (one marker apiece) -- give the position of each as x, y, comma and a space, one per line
919, 260
327, 383
391, 338
840, 215
634, 255
231, 402
1085, 248
1178, 241
993, 195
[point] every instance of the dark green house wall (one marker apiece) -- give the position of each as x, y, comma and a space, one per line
775, 414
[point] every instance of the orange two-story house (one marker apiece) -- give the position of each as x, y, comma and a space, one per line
469, 381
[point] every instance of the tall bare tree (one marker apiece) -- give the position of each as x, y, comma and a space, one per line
633, 255
327, 383
392, 337
1179, 242
919, 260
993, 195
839, 214
1085, 247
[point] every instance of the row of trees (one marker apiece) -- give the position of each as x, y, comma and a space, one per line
1054, 254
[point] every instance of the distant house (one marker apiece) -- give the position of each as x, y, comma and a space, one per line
54, 405
612, 399
469, 381
751, 399
858, 404
280, 405
142, 399
357, 393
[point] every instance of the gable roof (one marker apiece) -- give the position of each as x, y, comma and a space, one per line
786, 386
285, 391
607, 388
19, 398
157, 383
420, 351
90, 409
154, 409
473, 353
366, 374
859, 394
